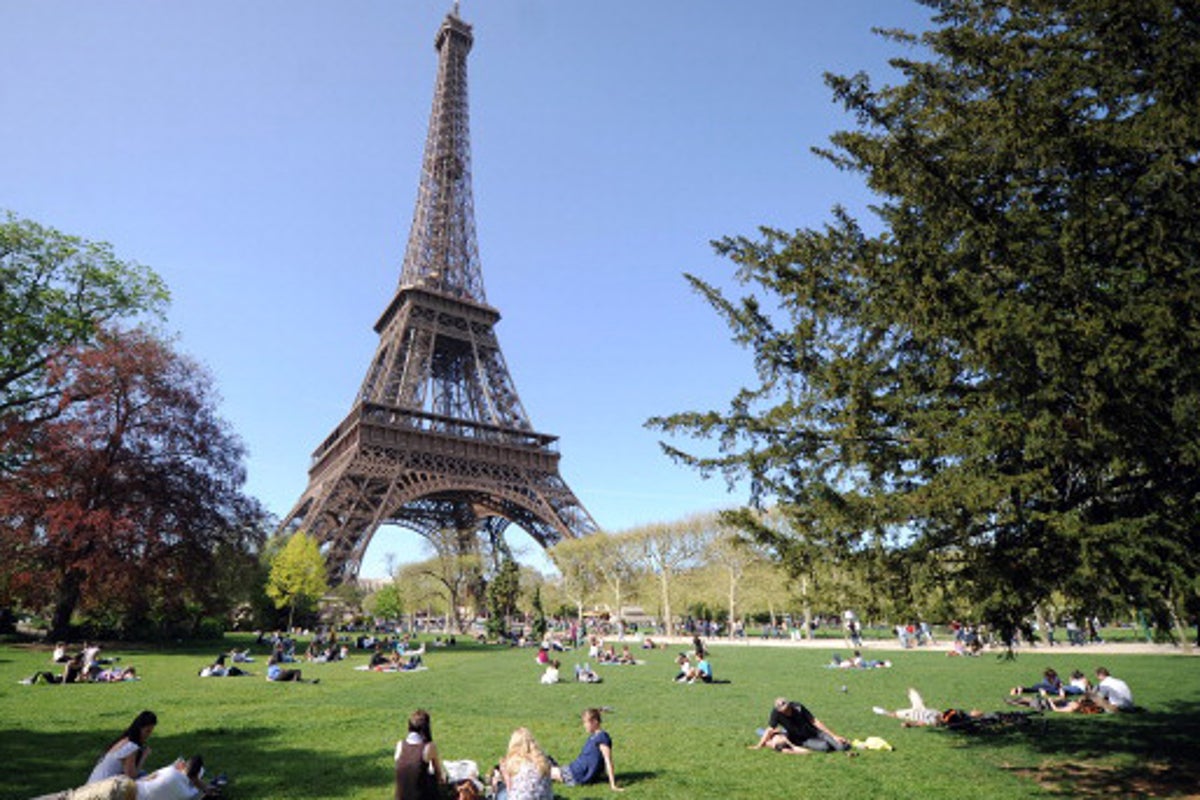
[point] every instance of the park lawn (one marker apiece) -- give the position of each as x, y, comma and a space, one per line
335, 739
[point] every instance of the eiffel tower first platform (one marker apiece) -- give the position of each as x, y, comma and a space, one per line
437, 438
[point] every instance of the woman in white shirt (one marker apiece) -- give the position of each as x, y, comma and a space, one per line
128, 752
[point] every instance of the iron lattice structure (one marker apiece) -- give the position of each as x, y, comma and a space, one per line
437, 438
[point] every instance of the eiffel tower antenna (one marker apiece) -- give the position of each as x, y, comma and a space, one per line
437, 438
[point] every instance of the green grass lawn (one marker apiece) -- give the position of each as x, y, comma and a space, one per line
335, 739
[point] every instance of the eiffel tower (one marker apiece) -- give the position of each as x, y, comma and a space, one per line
437, 438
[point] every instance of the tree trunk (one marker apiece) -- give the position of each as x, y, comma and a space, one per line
620, 618
732, 606
808, 628
1185, 641
69, 589
665, 582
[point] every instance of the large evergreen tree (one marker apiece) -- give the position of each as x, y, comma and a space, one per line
999, 376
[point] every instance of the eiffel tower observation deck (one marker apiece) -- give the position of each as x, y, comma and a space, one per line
437, 438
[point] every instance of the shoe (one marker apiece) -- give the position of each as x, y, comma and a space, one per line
879, 710
316, 681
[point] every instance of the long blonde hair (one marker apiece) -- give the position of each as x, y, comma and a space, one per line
523, 748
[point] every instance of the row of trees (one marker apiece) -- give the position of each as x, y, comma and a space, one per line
738, 565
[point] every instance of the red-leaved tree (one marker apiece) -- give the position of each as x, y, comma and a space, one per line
129, 505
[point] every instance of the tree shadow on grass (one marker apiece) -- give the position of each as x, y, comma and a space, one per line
38, 763
1140, 753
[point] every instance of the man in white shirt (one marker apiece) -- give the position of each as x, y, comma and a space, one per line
1113, 691
183, 780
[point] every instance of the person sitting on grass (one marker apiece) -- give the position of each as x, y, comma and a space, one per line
685, 672
703, 671
551, 673
419, 771
524, 772
1114, 694
1078, 684
793, 729
72, 673
126, 754
595, 759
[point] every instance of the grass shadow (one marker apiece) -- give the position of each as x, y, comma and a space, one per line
35, 762
1142, 753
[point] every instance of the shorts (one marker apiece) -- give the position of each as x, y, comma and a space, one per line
119, 788
568, 778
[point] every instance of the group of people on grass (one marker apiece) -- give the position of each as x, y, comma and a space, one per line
524, 773
793, 729
1078, 695
83, 666
120, 774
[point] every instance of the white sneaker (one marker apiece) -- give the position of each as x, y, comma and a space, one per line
880, 711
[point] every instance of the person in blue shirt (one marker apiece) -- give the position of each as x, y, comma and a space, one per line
595, 759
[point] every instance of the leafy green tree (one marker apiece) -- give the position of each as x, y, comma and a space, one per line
297, 574
998, 378
732, 557
57, 292
419, 590
386, 602
578, 576
616, 561
458, 567
668, 550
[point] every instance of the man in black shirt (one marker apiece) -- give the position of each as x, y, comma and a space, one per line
792, 728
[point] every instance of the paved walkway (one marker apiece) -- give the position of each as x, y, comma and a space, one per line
882, 645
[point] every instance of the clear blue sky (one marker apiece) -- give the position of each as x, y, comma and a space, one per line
263, 158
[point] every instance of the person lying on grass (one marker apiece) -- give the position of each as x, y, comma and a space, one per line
277, 673
182, 780
72, 673
918, 716
793, 729
1049, 684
